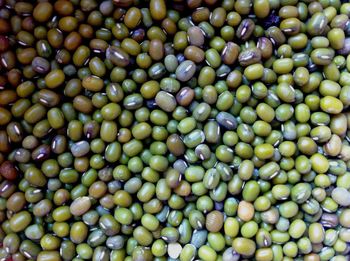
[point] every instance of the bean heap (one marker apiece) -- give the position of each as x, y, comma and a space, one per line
175, 130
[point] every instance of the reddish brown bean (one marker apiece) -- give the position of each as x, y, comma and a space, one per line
8, 170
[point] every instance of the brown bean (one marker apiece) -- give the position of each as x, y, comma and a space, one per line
214, 221
80, 206
28, 24
194, 54
4, 141
82, 104
68, 23
26, 56
4, 43
230, 53
72, 41
86, 31
185, 96
200, 14
5, 26
193, 3
7, 97
333, 146
156, 49
63, 7
183, 189
98, 189
169, 26
107, 201
14, 77
195, 36
245, 210
175, 145
8, 170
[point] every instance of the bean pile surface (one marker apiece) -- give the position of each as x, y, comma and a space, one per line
175, 130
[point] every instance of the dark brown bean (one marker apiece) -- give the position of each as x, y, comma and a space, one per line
8, 170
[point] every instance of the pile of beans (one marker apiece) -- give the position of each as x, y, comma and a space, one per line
175, 130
